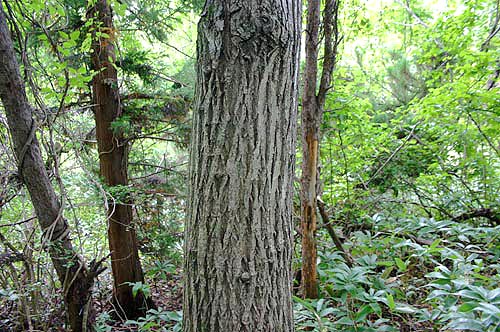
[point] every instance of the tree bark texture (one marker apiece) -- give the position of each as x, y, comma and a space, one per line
113, 160
311, 120
313, 104
75, 278
238, 242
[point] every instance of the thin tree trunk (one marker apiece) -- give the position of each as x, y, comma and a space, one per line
312, 114
113, 159
76, 279
311, 120
238, 243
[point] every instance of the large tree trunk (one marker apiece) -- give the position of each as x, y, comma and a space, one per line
313, 104
113, 159
238, 243
76, 279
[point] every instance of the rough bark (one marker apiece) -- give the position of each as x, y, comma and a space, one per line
238, 241
313, 104
310, 138
113, 158
75, 278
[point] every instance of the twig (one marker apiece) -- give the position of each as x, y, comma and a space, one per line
394, 153
18, 223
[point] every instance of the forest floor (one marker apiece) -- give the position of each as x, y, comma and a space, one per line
166, 293
167, 296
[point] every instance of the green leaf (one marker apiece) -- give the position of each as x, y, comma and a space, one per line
489, 309
405, 308
466, 324
345, 321
390, 302
75, 34
135, 289
467, 306
400, 264
434, 246
63, 35
363, 312
387, 272
69, 44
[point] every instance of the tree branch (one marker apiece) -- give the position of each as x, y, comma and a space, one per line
487, 213
333, 235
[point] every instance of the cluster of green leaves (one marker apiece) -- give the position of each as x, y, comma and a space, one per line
415, 122
155, 320
410, 144
397, 282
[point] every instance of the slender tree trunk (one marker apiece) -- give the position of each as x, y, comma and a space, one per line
113, 159
313, 104
238, 243
76, 279
311, 120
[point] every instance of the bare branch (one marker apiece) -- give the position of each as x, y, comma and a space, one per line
326, 222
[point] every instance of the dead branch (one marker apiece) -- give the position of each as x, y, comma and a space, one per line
333, 235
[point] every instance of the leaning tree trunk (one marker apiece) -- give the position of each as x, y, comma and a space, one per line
75, 278
113, 155
238, 243
313, 104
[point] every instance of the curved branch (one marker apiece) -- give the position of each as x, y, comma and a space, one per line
487, 213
